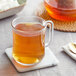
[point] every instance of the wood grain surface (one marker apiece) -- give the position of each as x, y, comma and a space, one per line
66, 67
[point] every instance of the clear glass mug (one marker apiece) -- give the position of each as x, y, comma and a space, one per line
29, 46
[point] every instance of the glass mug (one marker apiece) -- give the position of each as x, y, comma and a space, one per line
29, 39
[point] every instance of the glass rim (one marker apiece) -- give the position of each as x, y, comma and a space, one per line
25, 17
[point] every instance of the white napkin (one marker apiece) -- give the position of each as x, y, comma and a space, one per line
48, 60
70, 50
6, 4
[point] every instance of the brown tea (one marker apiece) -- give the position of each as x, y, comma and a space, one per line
64, 10
28, 43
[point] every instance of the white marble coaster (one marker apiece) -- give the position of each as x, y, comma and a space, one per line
48, 60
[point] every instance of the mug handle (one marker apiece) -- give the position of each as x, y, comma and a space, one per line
51, 25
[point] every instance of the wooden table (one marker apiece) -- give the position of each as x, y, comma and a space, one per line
66, 67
